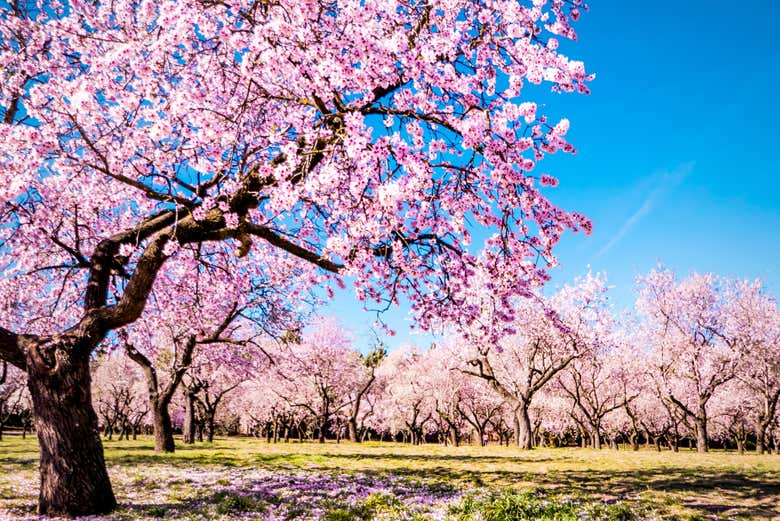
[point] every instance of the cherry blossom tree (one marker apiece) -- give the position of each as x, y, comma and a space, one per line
348, 138
478, 405
262, 409
222, 312
754, 320
634, 386
366, 380
733, 414
694, 354
551, 333
407, 405
214, 374
595, 383
447, 389
119, 392
321, 373
13, 396
550, 417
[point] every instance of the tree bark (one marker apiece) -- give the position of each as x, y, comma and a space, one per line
73, 477
634, 439
595, 437
353, 430
210, 427
163, 429
701, 435
523, 427
189, 418
323, 428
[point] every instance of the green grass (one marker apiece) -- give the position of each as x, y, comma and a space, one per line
508, 483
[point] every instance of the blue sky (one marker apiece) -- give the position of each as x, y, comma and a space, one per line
678, 148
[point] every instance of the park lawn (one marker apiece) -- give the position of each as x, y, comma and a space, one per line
245, 478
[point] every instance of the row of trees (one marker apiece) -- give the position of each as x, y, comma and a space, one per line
698, 360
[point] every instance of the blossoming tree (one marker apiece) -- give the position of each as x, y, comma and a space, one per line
351, 137
694, 351
550, 334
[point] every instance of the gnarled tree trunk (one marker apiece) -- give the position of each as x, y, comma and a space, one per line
73, 477
163, 429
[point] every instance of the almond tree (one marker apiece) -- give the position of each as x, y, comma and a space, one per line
407, 405
595, 383
119, 393
320, 373
355, 138
214, 374
550, 334
694, 353
366, 381
733, 414
754, 320
13, 396
478, 405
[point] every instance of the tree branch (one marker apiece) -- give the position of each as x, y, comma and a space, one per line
11, 350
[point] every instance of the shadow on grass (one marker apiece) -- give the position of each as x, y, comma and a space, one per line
151, 459
461, 458
710, 491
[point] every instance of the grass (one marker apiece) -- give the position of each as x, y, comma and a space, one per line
499, 483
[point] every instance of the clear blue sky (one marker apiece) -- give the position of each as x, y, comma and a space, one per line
678, 148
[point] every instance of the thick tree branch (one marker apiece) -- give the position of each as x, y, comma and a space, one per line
11, 349
290, 247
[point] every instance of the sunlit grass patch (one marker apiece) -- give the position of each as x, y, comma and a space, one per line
241, 478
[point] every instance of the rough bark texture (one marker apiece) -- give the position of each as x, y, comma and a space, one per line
523, 428
189, 417
163, 429
73, 477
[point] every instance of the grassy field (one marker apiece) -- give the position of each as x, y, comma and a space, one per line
249, 479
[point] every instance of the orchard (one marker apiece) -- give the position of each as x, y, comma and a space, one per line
185, 186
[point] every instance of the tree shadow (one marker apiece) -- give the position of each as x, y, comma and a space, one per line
463, 458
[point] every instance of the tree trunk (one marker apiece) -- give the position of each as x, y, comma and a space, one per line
73, 477
189, 418
353, 430
701, 435
634, 438
596, 437
760, 436
163, 429
210, 426
523, 430
322, 430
